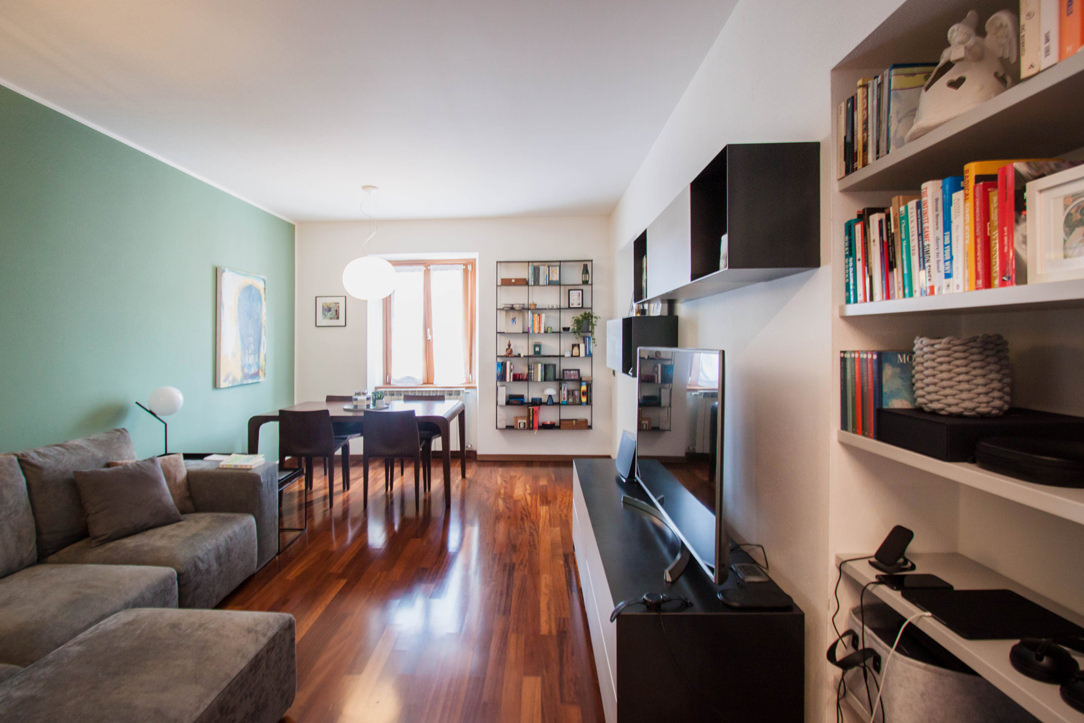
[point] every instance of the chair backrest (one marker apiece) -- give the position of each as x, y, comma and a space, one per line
422, 397
306, 434
391, 434
339, 398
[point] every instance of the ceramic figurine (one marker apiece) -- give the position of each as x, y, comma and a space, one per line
972, 70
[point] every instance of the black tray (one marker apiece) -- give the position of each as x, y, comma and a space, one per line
1058, 462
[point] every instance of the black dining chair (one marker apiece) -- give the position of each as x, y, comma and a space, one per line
309, 434
391, 435
428, 432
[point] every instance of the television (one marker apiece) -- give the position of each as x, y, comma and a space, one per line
679, 449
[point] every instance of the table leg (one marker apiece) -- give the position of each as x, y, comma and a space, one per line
446, 461
463, 443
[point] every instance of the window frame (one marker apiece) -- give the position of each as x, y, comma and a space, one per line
470, 270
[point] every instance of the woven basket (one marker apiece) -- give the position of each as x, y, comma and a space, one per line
965, 377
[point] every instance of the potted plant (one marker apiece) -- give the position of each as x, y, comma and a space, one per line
378, 399
584, 322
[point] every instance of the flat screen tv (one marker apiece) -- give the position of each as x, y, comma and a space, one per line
679, 448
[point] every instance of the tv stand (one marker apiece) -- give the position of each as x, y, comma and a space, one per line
681, 561
698, 664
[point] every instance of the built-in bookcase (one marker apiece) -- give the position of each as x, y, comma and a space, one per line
1036, 118
544, 366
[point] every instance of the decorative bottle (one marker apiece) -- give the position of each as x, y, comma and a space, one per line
586, 275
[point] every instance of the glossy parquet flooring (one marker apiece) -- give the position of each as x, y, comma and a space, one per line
409, 613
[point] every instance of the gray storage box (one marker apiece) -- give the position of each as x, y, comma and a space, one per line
925, 682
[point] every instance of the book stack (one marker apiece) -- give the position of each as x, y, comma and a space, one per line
872, 380
241, 461
959, 233
1049, 31
874, 121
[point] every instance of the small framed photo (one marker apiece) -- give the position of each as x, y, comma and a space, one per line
570, 375
537, 349
575, 350
520, 422
575, 298
555, 273
331, 311
1055, 235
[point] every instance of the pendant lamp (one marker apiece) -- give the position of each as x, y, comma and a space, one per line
369, 278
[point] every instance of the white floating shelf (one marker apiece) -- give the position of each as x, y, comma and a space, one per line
1065, 294
1064, 502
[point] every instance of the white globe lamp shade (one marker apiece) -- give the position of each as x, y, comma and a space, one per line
165, 401
369, 278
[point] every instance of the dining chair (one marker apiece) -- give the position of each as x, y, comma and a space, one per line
343, 429
309, 434
428, 432
391, 435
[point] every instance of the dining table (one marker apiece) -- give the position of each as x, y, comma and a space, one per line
440, 413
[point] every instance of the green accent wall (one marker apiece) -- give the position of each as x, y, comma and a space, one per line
107, 276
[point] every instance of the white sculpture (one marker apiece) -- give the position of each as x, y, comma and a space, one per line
972, 70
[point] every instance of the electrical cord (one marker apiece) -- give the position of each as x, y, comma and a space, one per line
866, 672
835, 594
763, 552
888, 660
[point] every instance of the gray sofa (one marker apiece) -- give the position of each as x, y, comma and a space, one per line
62, 592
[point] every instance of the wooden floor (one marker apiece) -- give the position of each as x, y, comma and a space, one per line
411, 612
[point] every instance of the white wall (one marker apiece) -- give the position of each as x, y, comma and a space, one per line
766, 79
333, 360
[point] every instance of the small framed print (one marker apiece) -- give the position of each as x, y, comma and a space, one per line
555, 273
331, 311
537, 349
575, 298
1055, 227
575, 350
570, 375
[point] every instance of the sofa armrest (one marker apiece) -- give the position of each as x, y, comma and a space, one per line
251, 491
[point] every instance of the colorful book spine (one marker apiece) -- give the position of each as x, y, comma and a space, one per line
905, 246
850, 285
995, 250
959, 253
1049, 23
1070, 28
1030, 38
981, 200
949, 186
914, 223
931, 219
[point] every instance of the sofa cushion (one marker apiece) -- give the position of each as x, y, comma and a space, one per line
212, 553
176, 474
19, 548
44, 606
58, 513
124, 500
159, 665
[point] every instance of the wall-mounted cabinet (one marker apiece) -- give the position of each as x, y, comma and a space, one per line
752, 215
625, 336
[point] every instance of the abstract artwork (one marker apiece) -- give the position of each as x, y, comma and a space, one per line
331, 311
241, 328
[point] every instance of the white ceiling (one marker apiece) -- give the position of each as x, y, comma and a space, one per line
454, 109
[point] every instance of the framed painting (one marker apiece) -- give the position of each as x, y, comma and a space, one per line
240, 328
1055, 218
331, 311
575, 298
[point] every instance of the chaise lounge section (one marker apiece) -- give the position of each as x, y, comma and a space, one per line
75, 603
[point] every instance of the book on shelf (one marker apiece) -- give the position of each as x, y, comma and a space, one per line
1070, 28
872, 380
963, 232
1030, 39
904, 88
242, 461
1012, 180
1049, 22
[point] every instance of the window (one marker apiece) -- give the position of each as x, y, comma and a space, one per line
429, 323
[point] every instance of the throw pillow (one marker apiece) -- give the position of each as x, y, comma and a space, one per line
121, 501
176, 475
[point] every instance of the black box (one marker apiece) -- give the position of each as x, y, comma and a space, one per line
953, 439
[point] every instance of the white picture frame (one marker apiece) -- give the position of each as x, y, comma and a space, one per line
1055, 237
330, 311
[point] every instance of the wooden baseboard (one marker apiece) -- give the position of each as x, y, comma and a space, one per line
548, 458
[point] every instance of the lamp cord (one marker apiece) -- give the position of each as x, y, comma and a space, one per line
888, 660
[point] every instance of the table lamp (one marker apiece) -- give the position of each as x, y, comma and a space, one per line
550, 392
163, 402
